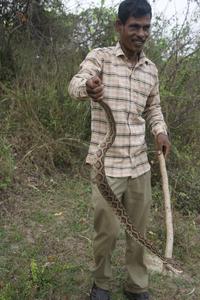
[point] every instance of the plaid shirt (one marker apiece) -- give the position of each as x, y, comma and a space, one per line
133, 95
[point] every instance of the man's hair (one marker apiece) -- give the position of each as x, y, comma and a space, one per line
133, 8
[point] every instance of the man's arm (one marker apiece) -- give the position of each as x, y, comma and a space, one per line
155, 120
87, 82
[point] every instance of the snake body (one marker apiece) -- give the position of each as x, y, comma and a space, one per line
107, 193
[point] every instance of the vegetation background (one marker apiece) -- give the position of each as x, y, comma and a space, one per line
45, 213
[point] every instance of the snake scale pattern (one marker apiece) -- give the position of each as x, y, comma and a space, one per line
107, 193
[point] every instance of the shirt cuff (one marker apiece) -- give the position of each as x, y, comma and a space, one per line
159, 129
83, 92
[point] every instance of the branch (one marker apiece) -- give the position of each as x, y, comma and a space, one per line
168, 211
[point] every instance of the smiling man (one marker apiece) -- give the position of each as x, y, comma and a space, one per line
127, 81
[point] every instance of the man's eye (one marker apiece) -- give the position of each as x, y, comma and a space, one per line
146, 28
138, 27
135, 27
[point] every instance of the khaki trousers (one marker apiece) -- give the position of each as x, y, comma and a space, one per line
135, 194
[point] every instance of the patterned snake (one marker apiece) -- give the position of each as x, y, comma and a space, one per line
107, 193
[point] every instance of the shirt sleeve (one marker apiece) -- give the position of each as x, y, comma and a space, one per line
91, 66
153, 113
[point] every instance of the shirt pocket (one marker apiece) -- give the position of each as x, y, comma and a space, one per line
140, 91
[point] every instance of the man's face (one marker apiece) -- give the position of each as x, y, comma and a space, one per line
134, 33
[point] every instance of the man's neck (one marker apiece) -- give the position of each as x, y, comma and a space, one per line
133, 57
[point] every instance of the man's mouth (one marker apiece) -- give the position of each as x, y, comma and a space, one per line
137, 42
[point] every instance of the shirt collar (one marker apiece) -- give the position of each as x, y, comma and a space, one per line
119, 52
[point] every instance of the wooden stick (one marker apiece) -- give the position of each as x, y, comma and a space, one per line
168, 210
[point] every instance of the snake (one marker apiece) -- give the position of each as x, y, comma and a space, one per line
107, 193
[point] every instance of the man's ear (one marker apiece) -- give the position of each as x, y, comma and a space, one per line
118, 25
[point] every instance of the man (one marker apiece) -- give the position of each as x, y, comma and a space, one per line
128, 82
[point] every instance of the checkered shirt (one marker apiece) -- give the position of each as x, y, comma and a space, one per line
133, 95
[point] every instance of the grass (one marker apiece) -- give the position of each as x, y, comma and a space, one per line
46, 246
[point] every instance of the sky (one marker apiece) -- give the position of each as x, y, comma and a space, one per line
168, 7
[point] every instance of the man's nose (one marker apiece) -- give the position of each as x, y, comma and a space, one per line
141, 33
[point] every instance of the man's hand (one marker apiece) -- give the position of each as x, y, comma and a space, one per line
94, 88
163, 144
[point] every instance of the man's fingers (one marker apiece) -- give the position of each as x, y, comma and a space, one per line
97, 95
97, 80
98, 99
95, 90
163, 144
93, 82
166, 150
